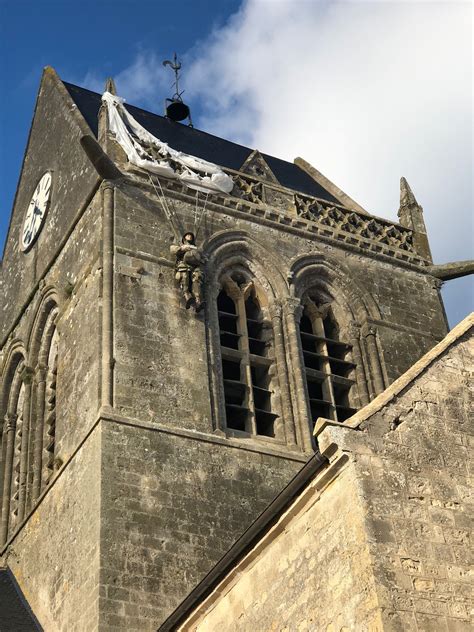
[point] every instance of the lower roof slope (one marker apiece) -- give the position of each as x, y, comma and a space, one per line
15, 613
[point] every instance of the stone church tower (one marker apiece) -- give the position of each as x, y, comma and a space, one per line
147, 424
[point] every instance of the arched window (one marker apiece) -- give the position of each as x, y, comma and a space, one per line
329, 369
13, 410
247, 354
43, 429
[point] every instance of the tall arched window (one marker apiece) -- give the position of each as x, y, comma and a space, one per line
11, 445
42, 440
247, 354
329, 369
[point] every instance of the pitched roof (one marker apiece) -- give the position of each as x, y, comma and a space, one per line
15, 613
201, 144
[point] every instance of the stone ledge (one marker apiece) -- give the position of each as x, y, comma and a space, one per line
109, 415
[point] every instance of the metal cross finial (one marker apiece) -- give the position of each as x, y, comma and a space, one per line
175, 65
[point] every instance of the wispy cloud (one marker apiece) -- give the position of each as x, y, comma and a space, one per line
139, 83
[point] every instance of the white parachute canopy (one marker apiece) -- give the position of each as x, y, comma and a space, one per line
194, 172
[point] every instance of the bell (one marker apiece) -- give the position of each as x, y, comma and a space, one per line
176, 110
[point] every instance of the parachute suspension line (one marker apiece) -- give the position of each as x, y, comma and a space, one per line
196, 231
166, 209
196, 207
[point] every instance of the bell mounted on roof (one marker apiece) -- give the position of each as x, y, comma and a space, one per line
175, 108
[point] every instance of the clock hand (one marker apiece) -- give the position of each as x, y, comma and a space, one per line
31, 223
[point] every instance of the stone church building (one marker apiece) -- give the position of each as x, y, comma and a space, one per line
229, 397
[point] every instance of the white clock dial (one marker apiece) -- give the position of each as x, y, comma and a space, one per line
36, 212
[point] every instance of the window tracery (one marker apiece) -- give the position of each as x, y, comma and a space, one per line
328, 364
247, 357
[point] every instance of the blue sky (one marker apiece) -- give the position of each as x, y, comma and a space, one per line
365, 91
83, 41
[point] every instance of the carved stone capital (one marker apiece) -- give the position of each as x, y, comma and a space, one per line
275, 310
10, 422
293, 306
27, 374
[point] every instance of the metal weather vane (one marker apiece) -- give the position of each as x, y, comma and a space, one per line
175, 108
175, 65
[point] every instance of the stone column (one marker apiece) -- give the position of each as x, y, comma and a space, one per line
370, 333
24, 445
107, 294
276, 316
292, 310
9, 440
40, 379
362, 387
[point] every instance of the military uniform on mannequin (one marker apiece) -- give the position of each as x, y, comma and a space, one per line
189, 274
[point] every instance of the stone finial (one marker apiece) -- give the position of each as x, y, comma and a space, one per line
406, 194
110, 86
411, 216
409, 207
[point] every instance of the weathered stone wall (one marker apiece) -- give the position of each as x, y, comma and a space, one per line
75, 279
53, 145
414, 461
161, 350
313, 571
388, 544
172, 504
55, 557
176, 491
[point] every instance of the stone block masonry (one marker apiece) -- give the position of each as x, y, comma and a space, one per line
381, 539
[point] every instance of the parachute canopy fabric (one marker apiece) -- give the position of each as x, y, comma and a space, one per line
148, 152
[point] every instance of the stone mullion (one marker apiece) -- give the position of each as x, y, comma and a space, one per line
49, 427
38, 434
9, 439
215, 363
370, 334
16, 462
361, 377
245, 349
282, 372
318, 329
293, 309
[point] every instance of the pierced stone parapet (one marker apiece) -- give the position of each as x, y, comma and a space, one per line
330, 215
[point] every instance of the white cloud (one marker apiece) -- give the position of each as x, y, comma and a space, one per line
365, 91
139, 83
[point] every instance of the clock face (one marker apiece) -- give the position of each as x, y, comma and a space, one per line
36, 213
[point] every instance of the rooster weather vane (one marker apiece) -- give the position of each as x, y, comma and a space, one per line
175, 108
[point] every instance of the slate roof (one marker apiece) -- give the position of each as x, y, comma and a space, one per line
201, 144
15, 613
